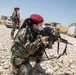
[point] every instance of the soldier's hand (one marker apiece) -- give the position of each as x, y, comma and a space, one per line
59, 40
44, 39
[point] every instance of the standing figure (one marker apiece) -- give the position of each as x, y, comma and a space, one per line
16, 20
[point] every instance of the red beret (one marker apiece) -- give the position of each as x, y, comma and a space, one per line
16, 8
37, 18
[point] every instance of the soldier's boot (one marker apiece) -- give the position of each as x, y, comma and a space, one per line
39, 68
12, 35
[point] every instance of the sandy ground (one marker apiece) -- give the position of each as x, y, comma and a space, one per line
65, 65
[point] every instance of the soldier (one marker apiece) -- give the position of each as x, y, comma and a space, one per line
16, 20
27, 44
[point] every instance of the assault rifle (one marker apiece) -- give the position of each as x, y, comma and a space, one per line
53, 36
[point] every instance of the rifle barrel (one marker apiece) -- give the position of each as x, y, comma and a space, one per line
66, 42
70, 43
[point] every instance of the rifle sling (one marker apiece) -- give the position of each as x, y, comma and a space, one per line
64, 52
58, 48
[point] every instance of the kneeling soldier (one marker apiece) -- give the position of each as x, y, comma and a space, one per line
28, 43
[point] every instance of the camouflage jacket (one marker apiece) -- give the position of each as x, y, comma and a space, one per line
15, 16
25, 44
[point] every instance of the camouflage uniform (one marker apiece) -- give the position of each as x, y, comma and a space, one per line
23, 48
15, 19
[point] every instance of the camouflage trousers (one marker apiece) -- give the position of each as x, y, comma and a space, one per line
13, 28
22, 66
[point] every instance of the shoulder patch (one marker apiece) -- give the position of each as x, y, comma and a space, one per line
22, 35
27, 36
23, 32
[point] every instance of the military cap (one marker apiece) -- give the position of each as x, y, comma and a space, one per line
16, 8
37, 18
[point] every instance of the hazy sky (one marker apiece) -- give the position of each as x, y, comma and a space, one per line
62, 11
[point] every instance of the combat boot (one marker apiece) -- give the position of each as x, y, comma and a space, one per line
12, 36
39, 68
